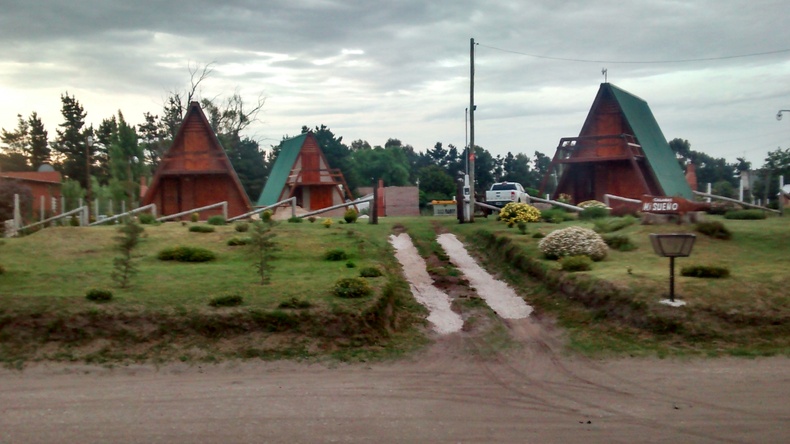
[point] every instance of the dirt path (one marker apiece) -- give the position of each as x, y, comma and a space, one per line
454, 391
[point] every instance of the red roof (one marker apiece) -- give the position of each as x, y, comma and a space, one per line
35, 176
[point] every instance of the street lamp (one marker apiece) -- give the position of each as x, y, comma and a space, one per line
672, 245
779, 114
88, 145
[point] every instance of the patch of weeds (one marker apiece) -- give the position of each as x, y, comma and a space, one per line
745, 215
370, 272
335, 254
352, 288
241, 227
201, 229
351, 264
714, 229
705, 271
238, 241
295, 303
576, 263
231, 300
295, 220
98, 295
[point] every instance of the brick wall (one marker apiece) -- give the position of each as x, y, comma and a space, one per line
401, 201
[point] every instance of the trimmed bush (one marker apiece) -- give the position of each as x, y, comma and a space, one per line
216, 220
97, 295
514, 213
241, 227
573, 241
611, 224
522, 227
705, 271
146, 219
538, 235
350, 216
591, 213
238, 241
201, 229
619, 242
312, 219
370, 272
351, 264
745, 215
186, 254
327, 222
231, 300
194, 217
714, 229
295, 220
576, 263
352, 288
266, 216
335, 254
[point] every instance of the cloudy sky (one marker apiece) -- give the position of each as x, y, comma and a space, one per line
713, 72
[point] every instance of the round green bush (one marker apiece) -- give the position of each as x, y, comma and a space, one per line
201, 229
186, 254
576, 263
350, 216
573, 241
295, 220
241, 227
231, 300
370, 272
590, 213
335, 254
237, 241
619, 242
146, 218
194, 217
97, 295
352, 288
216, 220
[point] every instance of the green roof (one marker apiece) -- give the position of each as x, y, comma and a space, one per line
657, 151
289, 151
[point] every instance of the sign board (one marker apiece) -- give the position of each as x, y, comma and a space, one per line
444, 209
662, 205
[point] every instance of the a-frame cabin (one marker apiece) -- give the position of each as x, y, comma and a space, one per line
195, 172
620, 151
302, 171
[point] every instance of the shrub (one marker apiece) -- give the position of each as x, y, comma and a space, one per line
146, 218
573, 241
186, 254
619, 242
745, 214
522, 227
721, 208
311, 219
705, 271
295, 220
351, 264
231, 300
97, 295
266, 216
216, 220
611, 224
237, 241
194, 217
370, 272
591, 204
335, 254
591, 213
241, 227
714, 229
352, 288
576, 263
350, 216
327, 222
294, 303
555, 215
514, 213
201, 229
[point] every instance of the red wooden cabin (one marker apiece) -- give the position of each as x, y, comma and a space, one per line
620, 150
195, 172
44, 184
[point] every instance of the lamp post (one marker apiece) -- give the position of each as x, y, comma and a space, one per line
672, 245
88, 145
779, 113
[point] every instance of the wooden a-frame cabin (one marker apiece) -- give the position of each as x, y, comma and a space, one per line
195, 172
620, 151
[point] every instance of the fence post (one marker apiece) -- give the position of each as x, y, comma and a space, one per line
225, 210
42, 206
710, 191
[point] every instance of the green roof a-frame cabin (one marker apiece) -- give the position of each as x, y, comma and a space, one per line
301, 171
620, 151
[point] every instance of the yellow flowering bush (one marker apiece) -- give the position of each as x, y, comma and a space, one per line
514, 213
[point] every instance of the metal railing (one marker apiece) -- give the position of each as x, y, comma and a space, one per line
261, 210
151, 207
223, 204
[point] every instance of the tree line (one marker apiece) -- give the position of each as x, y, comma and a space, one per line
121, 153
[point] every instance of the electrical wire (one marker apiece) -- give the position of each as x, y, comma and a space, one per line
638, 62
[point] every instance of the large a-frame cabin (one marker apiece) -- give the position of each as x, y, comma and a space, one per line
302, 171
620, 151
195, 172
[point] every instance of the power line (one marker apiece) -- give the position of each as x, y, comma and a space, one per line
642, 62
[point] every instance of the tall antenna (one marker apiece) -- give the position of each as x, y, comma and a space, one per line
604, 72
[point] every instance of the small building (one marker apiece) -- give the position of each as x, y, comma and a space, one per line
620, 151
44, 184
301, 171
195, 172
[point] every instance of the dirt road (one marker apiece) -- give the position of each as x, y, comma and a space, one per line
449, 393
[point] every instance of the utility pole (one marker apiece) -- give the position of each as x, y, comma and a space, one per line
471, 130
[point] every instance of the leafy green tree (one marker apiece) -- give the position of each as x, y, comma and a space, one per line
248, 161
436, 184
152, 138
39, 151
127, 159
26, 147
389, 164
484, 170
